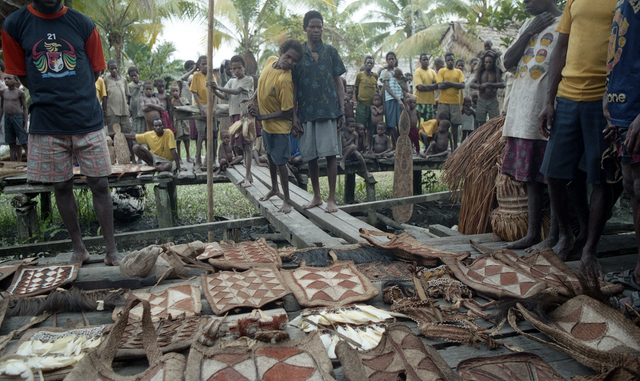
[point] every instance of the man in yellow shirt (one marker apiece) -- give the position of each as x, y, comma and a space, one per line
450, 83
577, 78
424, 79
162, 147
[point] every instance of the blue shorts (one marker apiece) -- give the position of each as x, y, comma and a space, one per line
278, 147
14, 130
577, 130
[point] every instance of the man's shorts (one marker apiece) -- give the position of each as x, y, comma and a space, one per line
51, 157
425, 111
139, 126
122, 120
455, 116
625, 157
14, 130
182, 130
320, 139
278, 147
363, 115
201, 127
577, 129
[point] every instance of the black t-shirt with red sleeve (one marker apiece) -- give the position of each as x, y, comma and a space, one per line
59, 54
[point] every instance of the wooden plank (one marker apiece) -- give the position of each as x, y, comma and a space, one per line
340, 223
137, 236
299, 231
365, 207
443, 231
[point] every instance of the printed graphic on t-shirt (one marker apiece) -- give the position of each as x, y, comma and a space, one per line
536, 59
54, 59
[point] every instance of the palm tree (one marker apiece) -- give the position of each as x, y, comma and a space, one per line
141, 20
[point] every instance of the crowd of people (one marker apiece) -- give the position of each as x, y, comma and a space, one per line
569, 93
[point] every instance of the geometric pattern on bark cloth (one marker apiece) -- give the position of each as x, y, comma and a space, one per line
226, 290
172, 303
333, 286
29, 281
400, 353
302, 359
7, 270
385, 272
246, 255
496, 279
516, 367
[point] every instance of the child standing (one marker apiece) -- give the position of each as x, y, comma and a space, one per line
135, 92
348, 103
165, 101
114, 105
237, 90
468, 118
275, 102
199, 90
350, 146
150, 105
414, 117
181, 126
441, 140
14, 110
377, 116
393, 103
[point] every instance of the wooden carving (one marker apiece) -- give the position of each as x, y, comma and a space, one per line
123, 155
403, 169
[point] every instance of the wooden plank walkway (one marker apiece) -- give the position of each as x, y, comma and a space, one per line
339, 223
298, 229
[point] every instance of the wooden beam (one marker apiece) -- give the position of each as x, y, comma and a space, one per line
367, 206
56, 246
211, 146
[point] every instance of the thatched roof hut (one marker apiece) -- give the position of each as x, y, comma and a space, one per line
466, 41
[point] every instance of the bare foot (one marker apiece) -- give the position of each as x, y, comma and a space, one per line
564, 246
112, 259
523, 243
342, 165
286, 208
249, 178
196, 167
331, 207
589, 265
190, 160
80, 257
550, 241
316, 201
267, 196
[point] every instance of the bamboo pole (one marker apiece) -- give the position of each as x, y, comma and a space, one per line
210, 120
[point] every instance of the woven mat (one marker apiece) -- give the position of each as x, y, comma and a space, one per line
399, 355
333, 286
172, 303
386, 272
299, 360
35, 280
516, 367
247, 255
172, 336
226, 290
211, 250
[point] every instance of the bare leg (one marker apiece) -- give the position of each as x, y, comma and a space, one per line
66, 202
103, 206
454, 133
13, 153
187, 146
631, 182
284, 180
393, 134
332, 175
273, 172
363, 164
346, 155
246, 154
578, 195
552, 237
600, 208
314, 176
198, 163
143, 154
178, 150
559, 203
534, 206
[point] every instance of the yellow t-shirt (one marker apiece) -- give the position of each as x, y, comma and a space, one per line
588, 24
429, 127
424, 77
367, 86
199, 86
101, 90
160, 145
451, 95
275, 93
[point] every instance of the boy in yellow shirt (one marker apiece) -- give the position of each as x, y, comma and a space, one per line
450, 83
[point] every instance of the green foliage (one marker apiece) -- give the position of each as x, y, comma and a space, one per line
155, 63
431, 182
505, 13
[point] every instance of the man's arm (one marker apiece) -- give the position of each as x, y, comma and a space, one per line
356, 85
275, 115
337, 81
557, 62
186, 76
203, 112
23, 104
455, 85
388, 90
514, 53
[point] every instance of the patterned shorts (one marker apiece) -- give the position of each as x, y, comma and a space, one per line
522, 159
425, 111
51, 157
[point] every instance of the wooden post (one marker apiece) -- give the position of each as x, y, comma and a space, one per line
210, 106
349, 188
163, 206
417, 182
27, 221
45, 205
372, 219
172, 190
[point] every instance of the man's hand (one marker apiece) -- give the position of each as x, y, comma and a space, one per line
254, 112
633, 137
296, 126
342, 121
203, 112
546, 119
611, 131
540, 22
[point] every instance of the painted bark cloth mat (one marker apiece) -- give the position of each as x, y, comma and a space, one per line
247, 255
35, 280
226, 290
407, 248
172, 303
516, 367
400, 355
386, 272
333, 286
594, 334
291, 360
7, 270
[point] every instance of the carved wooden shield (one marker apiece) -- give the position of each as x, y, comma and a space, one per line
403, 170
